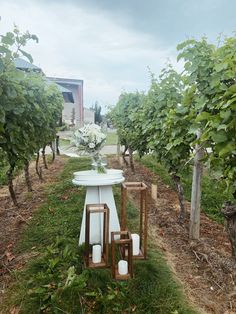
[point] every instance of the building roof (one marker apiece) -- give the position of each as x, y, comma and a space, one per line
25, 65
66, 93
60, 80
62, 89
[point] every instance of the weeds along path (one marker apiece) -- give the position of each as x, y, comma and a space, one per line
205, 267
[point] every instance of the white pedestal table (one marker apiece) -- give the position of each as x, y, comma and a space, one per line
99, 191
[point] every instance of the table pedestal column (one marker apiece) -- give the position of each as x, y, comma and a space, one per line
99, 195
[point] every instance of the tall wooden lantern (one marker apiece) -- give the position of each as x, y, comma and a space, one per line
139, 240
96, 256
123, 270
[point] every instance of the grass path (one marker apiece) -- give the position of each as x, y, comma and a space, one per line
56, 281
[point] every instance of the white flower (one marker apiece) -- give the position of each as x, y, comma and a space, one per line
90, 137
91, 145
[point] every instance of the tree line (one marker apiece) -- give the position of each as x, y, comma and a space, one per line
30, 109
187, 120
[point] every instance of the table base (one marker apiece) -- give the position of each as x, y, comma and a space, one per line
99, 195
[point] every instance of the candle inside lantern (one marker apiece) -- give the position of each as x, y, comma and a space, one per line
97, 253
123, 267
136, 243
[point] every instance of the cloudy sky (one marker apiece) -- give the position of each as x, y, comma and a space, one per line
111, 43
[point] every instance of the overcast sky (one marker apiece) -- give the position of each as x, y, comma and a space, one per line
111, 43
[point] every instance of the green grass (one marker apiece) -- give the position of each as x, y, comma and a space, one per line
214, 192
64, 142
112, 138
150, 162
56, 281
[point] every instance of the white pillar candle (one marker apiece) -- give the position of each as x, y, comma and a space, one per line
97, 253
136, 243
123, 267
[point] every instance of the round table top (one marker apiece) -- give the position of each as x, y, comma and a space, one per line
93, 178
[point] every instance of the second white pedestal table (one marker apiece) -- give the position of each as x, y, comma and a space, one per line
99, 191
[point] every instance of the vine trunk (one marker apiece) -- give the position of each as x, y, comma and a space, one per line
27, 176
180, 192
10, 184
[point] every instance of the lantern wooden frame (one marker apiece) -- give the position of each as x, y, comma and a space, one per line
125, 245
143, 220
96, 209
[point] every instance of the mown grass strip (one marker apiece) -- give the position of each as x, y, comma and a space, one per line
56, 281
112, 138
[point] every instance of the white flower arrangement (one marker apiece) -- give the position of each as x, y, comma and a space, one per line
90, 137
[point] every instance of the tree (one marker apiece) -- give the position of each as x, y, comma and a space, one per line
124, 117
29, 107
97, 113
210, 74
180, 112
166, 127
198, 57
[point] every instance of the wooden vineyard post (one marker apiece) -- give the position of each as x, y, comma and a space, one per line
124, 245
154, 191
123, 206
96, 209
194, 229
143, 219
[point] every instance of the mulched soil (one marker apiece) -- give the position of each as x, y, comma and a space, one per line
205, 267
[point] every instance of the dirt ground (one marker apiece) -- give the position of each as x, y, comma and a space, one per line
205, 267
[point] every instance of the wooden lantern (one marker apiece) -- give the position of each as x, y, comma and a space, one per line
123, 244
142, 189
90, 210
